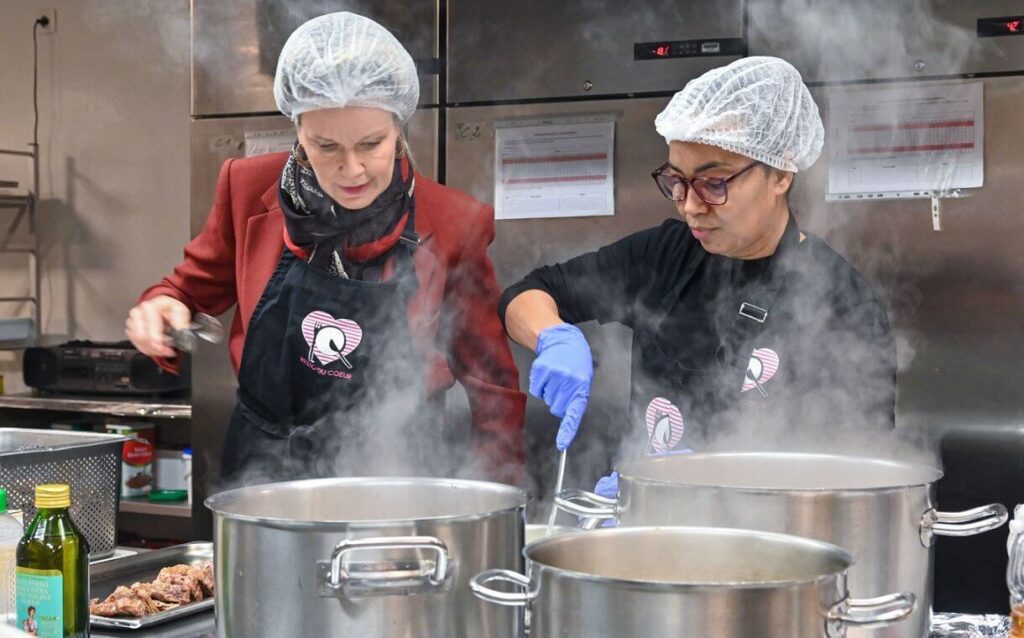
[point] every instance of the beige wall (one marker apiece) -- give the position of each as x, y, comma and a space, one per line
113, 130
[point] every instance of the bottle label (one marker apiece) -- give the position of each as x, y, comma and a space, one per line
40, 602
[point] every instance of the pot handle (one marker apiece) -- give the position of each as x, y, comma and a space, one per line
965, 523
589, 506
384, 577
479, 586
870, 613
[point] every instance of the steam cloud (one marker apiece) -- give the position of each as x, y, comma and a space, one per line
879, 40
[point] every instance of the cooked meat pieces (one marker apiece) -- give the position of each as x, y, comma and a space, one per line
201, 572
171, 589
205, 570
120, 603
123, 607
179, 577
141, 591
145, 592
174, 586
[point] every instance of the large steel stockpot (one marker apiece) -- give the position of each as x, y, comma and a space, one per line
655, 582
358, 557
882, 511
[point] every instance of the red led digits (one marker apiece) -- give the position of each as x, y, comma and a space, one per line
1013, 26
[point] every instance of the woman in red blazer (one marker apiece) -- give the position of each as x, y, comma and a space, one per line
364, 289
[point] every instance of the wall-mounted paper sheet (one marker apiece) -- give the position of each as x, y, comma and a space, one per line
905, 142
263, 142
562, 167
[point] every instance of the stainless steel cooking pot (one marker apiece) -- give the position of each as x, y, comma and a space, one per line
358, 557
648, 581
538, 532
883, 512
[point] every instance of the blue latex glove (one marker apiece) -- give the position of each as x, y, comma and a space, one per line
608, 486
561, 375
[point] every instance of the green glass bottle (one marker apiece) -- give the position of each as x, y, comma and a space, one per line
53, 570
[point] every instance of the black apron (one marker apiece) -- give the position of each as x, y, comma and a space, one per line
323, 358
676, 402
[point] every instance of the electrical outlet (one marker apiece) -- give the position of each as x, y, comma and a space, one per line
50, 16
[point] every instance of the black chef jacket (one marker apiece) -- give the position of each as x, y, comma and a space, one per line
792, 340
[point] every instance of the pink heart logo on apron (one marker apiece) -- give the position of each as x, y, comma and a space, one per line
664, 426
330, 339
763, 364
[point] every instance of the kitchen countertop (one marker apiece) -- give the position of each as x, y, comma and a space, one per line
100, 404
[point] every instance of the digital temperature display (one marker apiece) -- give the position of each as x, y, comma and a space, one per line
688, 48
992, 27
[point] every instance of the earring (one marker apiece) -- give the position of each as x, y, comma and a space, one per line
300, 156
403, 148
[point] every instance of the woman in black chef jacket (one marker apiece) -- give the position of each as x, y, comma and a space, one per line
738, 316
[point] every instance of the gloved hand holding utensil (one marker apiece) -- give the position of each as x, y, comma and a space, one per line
561, 375
608, 486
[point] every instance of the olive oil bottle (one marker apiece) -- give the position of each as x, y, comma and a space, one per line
53, 570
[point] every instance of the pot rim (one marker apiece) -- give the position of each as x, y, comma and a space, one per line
683, 585
938, 473
216, 502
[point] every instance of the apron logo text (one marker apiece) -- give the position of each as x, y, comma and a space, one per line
339, 374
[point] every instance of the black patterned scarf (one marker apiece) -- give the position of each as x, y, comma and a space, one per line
354, 244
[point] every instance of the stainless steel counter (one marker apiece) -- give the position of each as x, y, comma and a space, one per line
118, 406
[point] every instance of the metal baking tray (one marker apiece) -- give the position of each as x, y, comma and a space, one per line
107, 576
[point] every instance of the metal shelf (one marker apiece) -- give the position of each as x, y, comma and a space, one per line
116, 406
25, 209
15, 201
142, 505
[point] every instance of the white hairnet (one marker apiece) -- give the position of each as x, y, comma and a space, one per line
757, 106
343, 59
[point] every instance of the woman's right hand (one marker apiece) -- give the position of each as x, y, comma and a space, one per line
149, 322
561, 375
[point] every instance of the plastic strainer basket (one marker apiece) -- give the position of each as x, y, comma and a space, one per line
90, 463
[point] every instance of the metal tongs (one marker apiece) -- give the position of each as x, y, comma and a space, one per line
202, 326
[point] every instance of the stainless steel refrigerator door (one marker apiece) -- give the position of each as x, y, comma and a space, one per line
522, 245
955, 296
838, 40
536, 49
213, 380
956, 303
236, 43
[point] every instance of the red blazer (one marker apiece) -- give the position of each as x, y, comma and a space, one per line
232, 259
